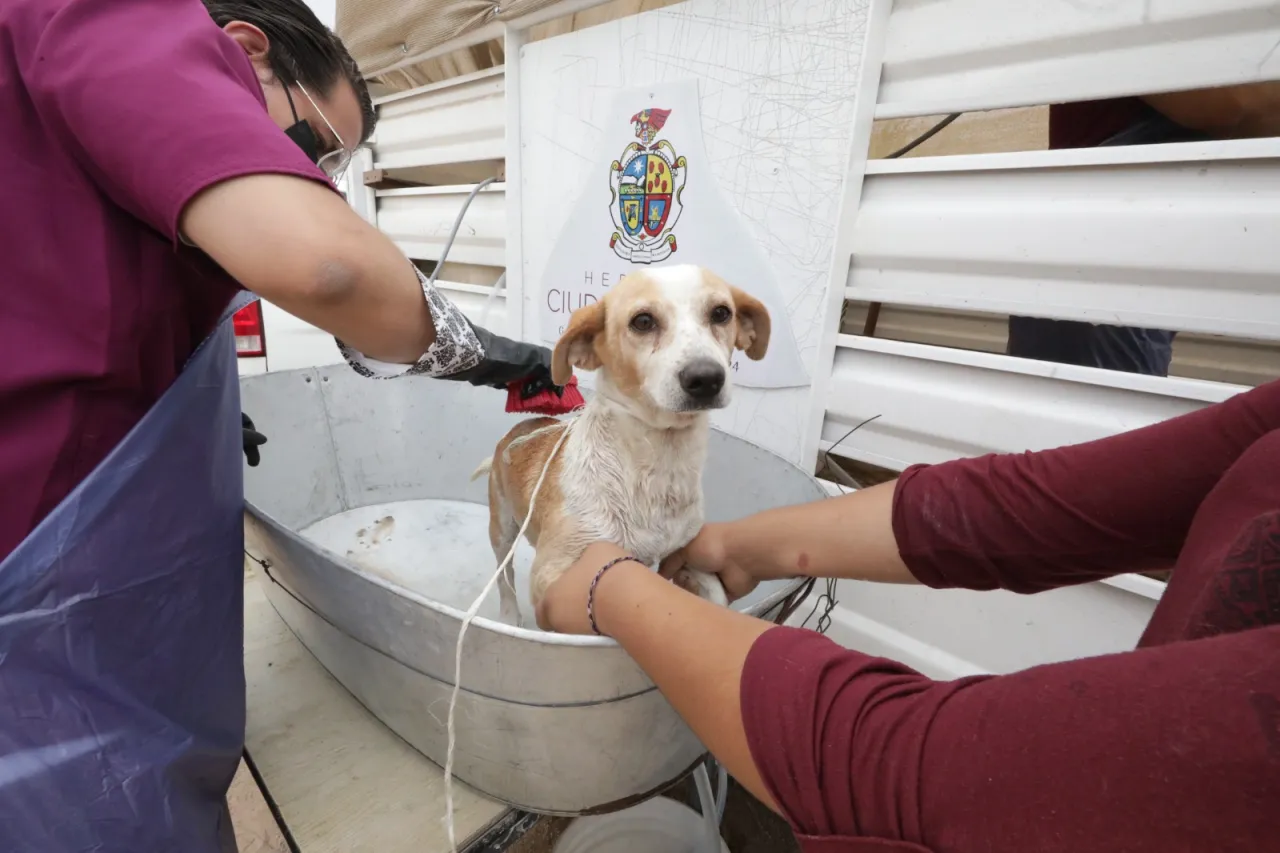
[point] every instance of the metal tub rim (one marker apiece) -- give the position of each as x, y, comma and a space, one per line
784, 588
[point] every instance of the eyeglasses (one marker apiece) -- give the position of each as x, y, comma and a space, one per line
335, 163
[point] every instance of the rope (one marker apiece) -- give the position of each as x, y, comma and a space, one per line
462, 633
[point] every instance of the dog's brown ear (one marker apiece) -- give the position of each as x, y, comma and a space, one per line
753, 324
576, 347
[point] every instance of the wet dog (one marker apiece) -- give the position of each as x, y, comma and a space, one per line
630, 470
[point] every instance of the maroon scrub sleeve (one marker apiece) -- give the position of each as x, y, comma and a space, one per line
1036, 521
156, 102
1169, 748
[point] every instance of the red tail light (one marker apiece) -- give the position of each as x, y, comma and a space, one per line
251, 337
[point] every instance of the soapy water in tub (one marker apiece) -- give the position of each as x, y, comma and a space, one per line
382, 533
438, 549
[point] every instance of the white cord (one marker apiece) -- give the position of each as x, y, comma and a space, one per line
492, 298
462, 632
710, 821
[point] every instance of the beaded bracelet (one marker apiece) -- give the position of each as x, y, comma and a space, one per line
591, 592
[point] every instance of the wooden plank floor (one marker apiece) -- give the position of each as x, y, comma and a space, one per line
344, 783
256, 828
341, 780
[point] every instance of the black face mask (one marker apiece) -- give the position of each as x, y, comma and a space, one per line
302, 133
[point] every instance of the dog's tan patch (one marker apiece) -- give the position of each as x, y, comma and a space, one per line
518, 462
617, 347
750, 319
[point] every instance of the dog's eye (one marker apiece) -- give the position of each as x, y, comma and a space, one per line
721, 315
643, 323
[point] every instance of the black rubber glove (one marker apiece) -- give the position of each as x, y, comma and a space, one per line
252, 440
506, 361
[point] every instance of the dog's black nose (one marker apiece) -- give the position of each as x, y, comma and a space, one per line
702, 380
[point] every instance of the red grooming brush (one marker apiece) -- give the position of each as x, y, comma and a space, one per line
537, 398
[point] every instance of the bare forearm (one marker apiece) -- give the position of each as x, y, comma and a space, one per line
693, 650
850, 536
1230, 112
368, 298
298, 245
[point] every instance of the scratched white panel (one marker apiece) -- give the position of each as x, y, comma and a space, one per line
961, 55
937, 404
1219, 359
457, 121
419, 221
1190, 242
779, 81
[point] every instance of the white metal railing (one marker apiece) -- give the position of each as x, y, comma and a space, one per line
454, 127
1239, 361
964, 55
1134, 235
1174, 236
419, 220
936, 403
1185, 237
458, 121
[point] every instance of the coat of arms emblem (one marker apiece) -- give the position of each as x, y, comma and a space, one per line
647, 181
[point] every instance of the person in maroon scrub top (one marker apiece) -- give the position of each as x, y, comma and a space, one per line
158, 156
1174, 746
147, 178
1232, 112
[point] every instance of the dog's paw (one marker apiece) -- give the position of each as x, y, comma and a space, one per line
701, 584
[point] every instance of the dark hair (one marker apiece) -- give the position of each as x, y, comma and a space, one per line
303, 50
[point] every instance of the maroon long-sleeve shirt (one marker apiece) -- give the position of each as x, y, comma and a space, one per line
1172, 747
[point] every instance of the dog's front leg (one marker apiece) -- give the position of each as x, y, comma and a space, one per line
702, 584
557, 551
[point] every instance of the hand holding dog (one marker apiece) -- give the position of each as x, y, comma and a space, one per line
563, 608
711, 552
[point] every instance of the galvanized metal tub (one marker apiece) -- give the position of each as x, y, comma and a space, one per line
375, 543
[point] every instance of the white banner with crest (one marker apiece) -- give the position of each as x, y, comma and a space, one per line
651, 200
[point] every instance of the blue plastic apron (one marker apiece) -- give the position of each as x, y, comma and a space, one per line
121, 637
